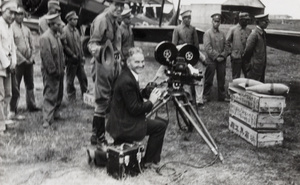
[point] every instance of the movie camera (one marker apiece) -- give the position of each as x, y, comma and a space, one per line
179, 62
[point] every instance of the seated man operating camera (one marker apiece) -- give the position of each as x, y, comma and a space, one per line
127, 121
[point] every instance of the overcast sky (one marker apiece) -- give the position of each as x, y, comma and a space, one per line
288, 7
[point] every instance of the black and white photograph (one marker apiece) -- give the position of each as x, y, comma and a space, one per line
149, 92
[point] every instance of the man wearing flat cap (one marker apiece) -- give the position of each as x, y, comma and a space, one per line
8, 58
236, 42
52, 68
24, 68
126, 32
74, 56
214, 44
53, 8
104, 28
256, 49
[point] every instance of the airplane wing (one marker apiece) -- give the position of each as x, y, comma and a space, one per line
284, 40
157, 34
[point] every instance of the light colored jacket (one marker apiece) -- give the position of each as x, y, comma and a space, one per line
23, 41
8, 55
214, 45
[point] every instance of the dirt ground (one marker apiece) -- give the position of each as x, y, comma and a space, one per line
31, 155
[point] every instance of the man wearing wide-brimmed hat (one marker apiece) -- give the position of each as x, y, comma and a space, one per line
236, 42
126, 32
53, 8
52, 68
24, 67
256, 49
8, 58
104, 27
74, 56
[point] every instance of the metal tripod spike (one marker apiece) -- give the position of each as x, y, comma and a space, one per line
198, 124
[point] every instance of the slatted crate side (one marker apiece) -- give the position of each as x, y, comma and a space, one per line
260, 138
260, 102
89, 99
254, 119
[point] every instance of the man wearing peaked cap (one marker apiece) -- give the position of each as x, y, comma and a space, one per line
185, 33
216, 16
256, 49
244, 15
236, 42
126, 33
53, 4
104, 28
10, 5
54, 18
24, 67
262, 17
8, 58
53, 8
71, 15
214, 45
74, 57
52, 67
187, 13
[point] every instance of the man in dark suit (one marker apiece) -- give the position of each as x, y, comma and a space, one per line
127, 122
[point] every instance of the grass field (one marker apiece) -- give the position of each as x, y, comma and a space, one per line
30, 154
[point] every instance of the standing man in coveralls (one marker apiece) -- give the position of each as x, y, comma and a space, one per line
8, 58
214, 45
256, 49
236, 41
74, 56
126, 33
104, 28
24, 68
52, 69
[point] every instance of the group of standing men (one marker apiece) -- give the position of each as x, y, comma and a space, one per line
16, 56
246, 48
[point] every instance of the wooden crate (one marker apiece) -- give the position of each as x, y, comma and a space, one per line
259, 138
260, 102
255, 101
89, 99
254, 119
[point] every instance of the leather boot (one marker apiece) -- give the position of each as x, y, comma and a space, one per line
98, 131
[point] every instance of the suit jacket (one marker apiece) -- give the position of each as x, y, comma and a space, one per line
128, 109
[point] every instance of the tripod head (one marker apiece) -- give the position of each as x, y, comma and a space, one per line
179, 62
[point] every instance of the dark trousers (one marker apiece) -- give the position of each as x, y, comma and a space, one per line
73, 71
238, 65
26, 71
156, 129
53, 95
220, 68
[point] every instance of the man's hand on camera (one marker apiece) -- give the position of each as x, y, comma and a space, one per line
220, 59
155, 94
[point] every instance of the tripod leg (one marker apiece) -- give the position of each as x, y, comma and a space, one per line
206, 131
202, 134
157, 106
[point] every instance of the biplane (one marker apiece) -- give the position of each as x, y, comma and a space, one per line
156, 32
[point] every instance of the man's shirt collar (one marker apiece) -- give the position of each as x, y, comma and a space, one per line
136, 76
